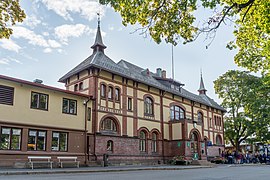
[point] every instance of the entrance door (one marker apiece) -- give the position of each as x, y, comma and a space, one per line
194, 146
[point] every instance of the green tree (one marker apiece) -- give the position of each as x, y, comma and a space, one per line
175, 21
258, 107
10, 13
245, 98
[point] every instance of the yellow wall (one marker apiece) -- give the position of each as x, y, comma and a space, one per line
130, 126
177, 131
22, 113
148, 124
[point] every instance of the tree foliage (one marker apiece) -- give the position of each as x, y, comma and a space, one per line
10, 13
246, 98
175, 21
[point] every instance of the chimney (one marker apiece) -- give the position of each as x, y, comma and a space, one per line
159, 72
38, 81
163, 74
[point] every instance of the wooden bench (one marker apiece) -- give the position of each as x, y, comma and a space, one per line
39, 160
68, 160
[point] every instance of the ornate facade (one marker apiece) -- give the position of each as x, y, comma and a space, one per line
120, 109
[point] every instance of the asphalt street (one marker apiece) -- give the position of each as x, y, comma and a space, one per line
222, 172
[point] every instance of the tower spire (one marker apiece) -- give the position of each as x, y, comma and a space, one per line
202, 89
98, 45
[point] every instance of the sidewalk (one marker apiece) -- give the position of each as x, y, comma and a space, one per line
11, 171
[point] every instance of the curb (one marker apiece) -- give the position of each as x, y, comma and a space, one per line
97, 171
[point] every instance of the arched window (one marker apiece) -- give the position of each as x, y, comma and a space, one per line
218, 140
108, 125
154, 142
117, 94
110, 145
148, 106
103, 90
177, 113
200, 117
142, 141
110, 92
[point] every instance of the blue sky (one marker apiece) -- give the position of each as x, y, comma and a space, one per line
57, 35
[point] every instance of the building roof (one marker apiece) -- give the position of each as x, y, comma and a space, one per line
42, 86
126, 69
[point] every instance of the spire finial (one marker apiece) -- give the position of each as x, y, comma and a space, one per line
98, 45
98, 14
202, 89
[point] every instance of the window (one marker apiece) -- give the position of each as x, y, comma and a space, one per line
148, 106
129, 104
218, 140
117, 94
36, 140
76, 87
10, 138
81, 86
103, 91
110, 93
177, 113
142, 141
108, 125
6, 95
69, 106
154, 142
200, 117
59, 141
89, 114
210, 122
109, 145
39, 101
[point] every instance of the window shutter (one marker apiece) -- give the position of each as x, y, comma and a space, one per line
6, 95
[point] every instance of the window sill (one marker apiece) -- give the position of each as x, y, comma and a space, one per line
74, 114
150, 115
39, 109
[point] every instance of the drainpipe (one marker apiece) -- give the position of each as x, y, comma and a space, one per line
162, 125
85, 102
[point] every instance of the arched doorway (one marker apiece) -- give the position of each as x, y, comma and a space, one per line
195, 145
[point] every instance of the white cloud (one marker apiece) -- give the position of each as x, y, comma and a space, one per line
4, 61
53, 43
86, 8
9, 45
111, 28
8, 60
45, 34
47, 50
31, 21
64, 32
31, 36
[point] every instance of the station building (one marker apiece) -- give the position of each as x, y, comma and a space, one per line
130, 114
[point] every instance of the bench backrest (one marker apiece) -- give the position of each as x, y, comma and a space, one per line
67, 158
31, 158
